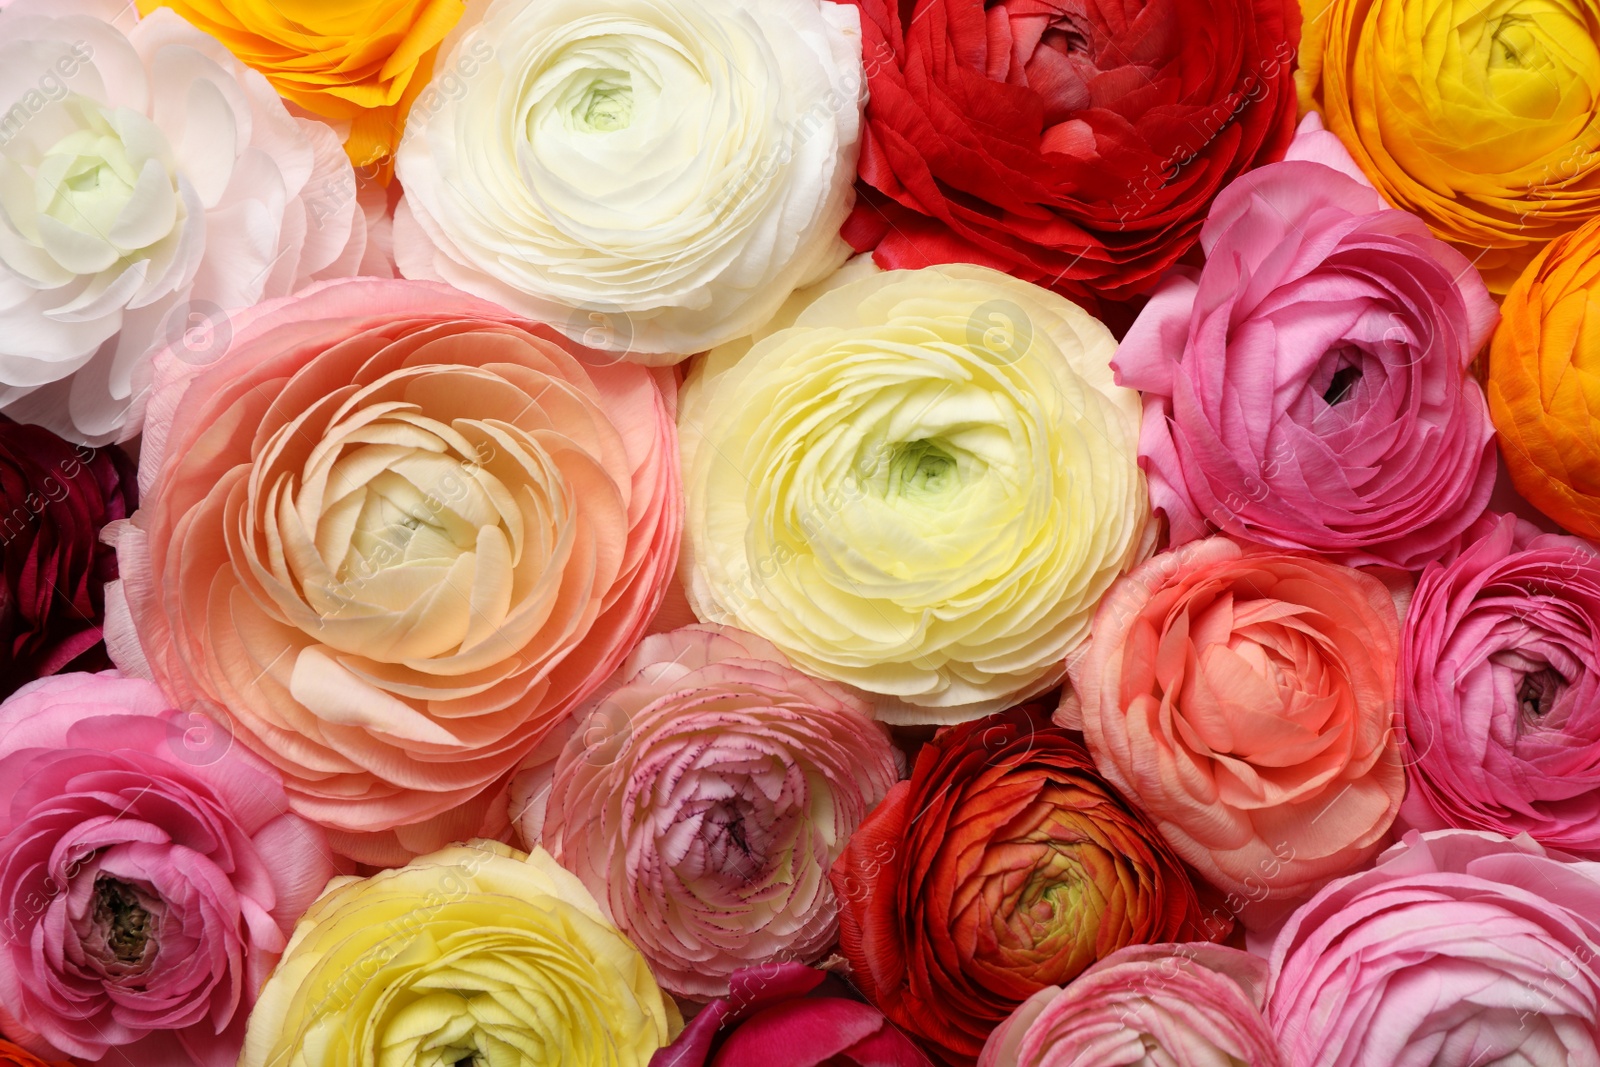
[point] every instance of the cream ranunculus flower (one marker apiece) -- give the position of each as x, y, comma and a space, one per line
1481, 116
922, 487
475, 954
653, 176
149, 182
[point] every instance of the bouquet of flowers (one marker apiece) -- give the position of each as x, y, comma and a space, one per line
733, 533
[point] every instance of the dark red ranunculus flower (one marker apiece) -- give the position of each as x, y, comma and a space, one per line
54, 498
1005, 865
1073, 143
790, 1014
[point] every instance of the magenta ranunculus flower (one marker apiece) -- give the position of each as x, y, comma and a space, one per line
150, 874
704, 799
1500, 676
1459, 949
1193, 1005
794, 1015
1308, 388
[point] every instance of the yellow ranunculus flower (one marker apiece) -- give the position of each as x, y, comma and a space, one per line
919, 483
474, 954
1481, 116
355, 62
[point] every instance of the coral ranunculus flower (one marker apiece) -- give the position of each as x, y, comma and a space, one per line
1544, 381
1006, 865
1246, 700
1482, 119
393, 536
357, 63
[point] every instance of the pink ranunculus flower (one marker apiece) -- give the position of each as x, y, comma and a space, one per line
1194, 1005
1500, 689
1309, 387
1458, 949
1245, 699
794, 1015
704, 799
150, 874
392, 537
153, 182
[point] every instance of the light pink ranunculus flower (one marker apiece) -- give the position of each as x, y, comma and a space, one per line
1500, 689
1309, 387
153, 183
1193, 1005
392, 537
150, 874
1459, 949
1245, 699
704, 799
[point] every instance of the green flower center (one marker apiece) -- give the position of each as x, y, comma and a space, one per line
605, 104
89, 180
921, 471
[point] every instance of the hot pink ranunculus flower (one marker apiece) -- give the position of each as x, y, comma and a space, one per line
1245, 699
150, 874
1193, 1005
1459, 949
392, 537
1500, 689
1309, 387
705, 798
791, 1014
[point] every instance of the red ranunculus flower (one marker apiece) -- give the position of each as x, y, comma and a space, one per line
54, 498
1072, 143
1004, 866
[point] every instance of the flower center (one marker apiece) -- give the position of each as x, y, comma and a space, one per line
1341, 384
1537, 692
121, 920
921, 470
87, 180
606, 103
1070, 35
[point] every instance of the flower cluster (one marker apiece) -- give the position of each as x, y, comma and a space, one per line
799, 533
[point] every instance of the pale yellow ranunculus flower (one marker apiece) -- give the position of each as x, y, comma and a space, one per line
474, 954
1481, 116
921, 487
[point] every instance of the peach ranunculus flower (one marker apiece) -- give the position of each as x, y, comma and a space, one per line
705, 798
1481, 118
392, 537
1245, 698
357, 63
1543, 383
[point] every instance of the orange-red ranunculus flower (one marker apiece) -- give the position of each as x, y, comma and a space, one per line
361, 62
1006, 865
1544, 381
16, 1056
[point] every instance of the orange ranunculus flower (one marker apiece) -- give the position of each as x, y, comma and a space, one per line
1481, 116
17, 1056
360, 62
1544, 381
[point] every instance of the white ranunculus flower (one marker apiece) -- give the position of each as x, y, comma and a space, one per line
149, 183
919, 483
653, 177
